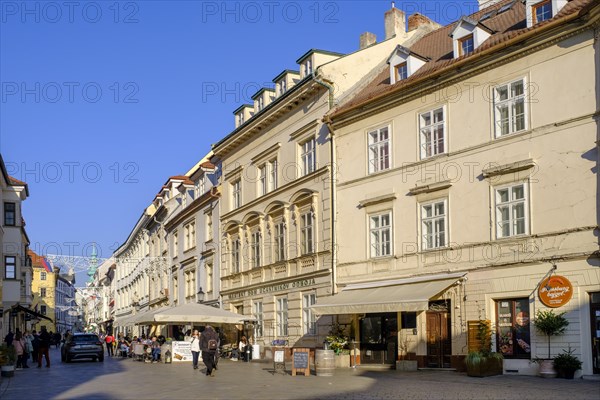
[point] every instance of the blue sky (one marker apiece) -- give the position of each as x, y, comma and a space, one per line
102, 101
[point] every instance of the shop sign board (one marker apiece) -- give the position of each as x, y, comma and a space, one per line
182, 351
301, 363
555, 291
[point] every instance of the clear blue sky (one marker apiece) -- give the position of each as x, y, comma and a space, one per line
102, 101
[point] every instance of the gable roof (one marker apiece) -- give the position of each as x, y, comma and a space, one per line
438, 47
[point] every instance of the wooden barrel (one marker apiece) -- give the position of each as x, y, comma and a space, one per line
324, 362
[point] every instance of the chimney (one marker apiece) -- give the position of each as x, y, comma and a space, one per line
394, 23
417, 20
367, 39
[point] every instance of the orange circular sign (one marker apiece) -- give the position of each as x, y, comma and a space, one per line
555, 291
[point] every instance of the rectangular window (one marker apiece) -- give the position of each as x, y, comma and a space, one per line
542, 11
240, 118
190, 236
434, 225
509, 108
261, 103
380, 234
258, 314
279, 242
379, 150
10, 214
43, 276
432, 127
272, 174
408, 320
282, 87
43, 292
175, 244
209, 277
262, 180
282, 316
466, 45
255, 249
511, 211
308, 68
10, 265
237, 193
512, 322
401, 71
308, 156
306, 230
235, 255
208, 226
308, 317
43, 310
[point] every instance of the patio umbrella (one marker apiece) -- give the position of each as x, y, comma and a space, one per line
199, 313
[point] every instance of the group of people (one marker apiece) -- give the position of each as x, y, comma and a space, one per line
206, 343
124, 346
31, 344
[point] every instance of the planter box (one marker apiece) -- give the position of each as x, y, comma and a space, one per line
487, 367
8, 371
342, 361
406, 365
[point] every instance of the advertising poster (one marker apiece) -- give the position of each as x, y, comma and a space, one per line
182, 351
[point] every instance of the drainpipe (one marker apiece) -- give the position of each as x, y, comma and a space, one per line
327, 85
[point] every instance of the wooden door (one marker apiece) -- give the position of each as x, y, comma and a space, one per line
439, 350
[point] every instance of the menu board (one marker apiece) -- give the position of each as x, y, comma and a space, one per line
301, 361
182, 351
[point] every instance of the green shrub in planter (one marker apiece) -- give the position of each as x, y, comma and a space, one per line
566, 364
484, 362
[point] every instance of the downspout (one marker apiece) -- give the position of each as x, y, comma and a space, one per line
332, 172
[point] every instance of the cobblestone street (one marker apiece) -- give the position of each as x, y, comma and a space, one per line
127, 379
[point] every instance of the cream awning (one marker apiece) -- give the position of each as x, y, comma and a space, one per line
147, 317
199, 313
124, 321
411, 294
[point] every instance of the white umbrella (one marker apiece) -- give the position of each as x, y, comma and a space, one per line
199, 313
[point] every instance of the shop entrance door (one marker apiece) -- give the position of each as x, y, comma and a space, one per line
439, 341
379, 338
595, 323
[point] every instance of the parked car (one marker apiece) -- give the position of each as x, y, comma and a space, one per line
82, 345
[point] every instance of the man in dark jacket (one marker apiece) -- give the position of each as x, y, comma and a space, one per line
44, 346
209, 344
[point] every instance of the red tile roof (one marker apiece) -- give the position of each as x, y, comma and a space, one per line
438, 47
15, 181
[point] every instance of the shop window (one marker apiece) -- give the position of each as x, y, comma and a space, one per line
513, 328
408, 320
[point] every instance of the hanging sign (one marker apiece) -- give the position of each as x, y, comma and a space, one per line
555, 291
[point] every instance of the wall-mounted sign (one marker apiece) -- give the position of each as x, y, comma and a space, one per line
555, 291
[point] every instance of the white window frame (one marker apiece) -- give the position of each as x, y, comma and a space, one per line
282, 86
434, 219
236, 191
175, 244
308, 153
401, 71
308, 67
377, 247
309, 320
236, 253
257, 308
279, 236
262, 180
379, 160
209, 277
282, 316
509, 104
539, 5
511, 203
272, 179
209, 232
255, 249
260, 103
430, 148
307, 233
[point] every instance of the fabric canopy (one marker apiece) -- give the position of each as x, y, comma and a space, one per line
194, 312
147, 317
124, 321
389, 296
29, 311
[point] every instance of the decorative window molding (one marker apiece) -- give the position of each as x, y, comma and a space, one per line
508, 168
376, 200
265, 154
430, 187
305, 131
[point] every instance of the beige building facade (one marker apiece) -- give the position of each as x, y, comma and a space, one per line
464, 181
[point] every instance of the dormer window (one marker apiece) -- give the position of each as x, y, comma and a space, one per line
260, 103
240, 118
466, 45
542, 11
308, 69
282, 87
403, 63
468, 35
401, 71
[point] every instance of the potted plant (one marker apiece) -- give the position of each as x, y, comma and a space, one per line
483, 361
338, 342
8, 360
550, 324
566, 364
405, 363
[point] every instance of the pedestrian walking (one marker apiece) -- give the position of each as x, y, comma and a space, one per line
28, 337
195, 348
45, 339
209, 343
109, 339
19, 344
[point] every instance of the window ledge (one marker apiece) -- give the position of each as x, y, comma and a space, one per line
432, 187
508, 168
514, 237
376, 200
